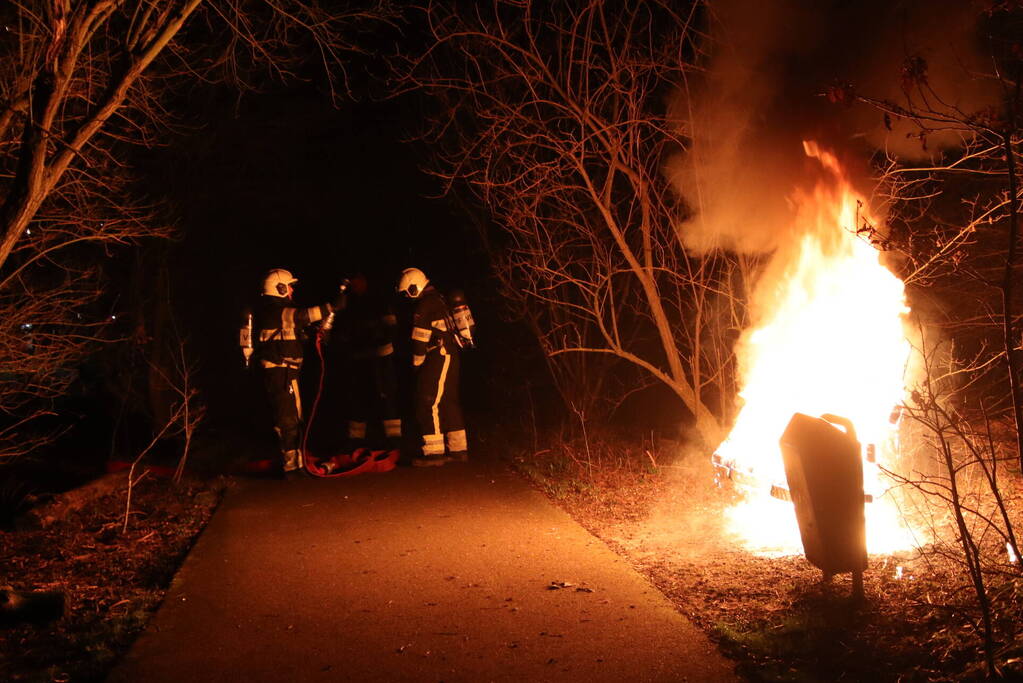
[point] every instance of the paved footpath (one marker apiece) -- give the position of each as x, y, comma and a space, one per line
438, 574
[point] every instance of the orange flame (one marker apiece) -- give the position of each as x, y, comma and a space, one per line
829, 339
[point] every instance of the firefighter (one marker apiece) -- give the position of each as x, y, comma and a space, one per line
436, 349
365, 348
279, 340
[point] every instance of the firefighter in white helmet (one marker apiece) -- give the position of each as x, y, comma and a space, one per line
436, 349
279, 339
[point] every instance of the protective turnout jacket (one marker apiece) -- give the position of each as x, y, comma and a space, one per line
432, 327
279, 327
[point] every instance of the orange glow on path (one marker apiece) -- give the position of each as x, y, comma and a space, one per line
828, 337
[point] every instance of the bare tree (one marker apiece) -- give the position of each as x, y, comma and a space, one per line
80, 82
954, 220
188, 411
961, 465
182, 419
558, 117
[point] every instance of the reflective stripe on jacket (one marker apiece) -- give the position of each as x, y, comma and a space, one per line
430, 327
280, 329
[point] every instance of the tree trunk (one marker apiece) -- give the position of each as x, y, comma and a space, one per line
1008, 335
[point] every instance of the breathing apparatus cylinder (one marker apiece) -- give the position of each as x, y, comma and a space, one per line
462, 317
245, 337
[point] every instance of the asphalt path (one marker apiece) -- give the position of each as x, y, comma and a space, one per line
459, 573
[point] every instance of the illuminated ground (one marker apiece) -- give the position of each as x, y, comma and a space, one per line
772, 614
461, 573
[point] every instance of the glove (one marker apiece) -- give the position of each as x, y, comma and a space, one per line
342, 299
323, 333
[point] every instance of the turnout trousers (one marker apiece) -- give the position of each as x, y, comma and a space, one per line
373, 397
438, 406
281, 382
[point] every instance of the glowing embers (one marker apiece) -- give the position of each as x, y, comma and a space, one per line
828, 338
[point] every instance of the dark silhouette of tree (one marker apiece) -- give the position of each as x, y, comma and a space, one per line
954, 219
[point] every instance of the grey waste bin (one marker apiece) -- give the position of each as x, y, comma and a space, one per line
824, 470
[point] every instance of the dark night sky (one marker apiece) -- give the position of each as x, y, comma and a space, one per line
288, 181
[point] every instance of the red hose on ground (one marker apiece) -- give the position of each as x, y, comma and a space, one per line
361, 461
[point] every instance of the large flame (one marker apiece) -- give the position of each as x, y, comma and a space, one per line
829, 338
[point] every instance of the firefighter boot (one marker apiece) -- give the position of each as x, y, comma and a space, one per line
292, 461
392, 433
433, 451
458, 446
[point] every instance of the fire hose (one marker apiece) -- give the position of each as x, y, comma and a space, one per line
361, 460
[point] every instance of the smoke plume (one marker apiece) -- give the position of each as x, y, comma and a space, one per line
764, 94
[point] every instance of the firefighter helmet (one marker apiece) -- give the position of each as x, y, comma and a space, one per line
277, 281
412, 282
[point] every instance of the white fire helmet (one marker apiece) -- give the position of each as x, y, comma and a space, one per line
412, 282
277, 281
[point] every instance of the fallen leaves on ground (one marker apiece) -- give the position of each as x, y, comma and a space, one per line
112, 582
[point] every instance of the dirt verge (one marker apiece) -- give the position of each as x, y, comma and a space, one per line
111, 581
774, 615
